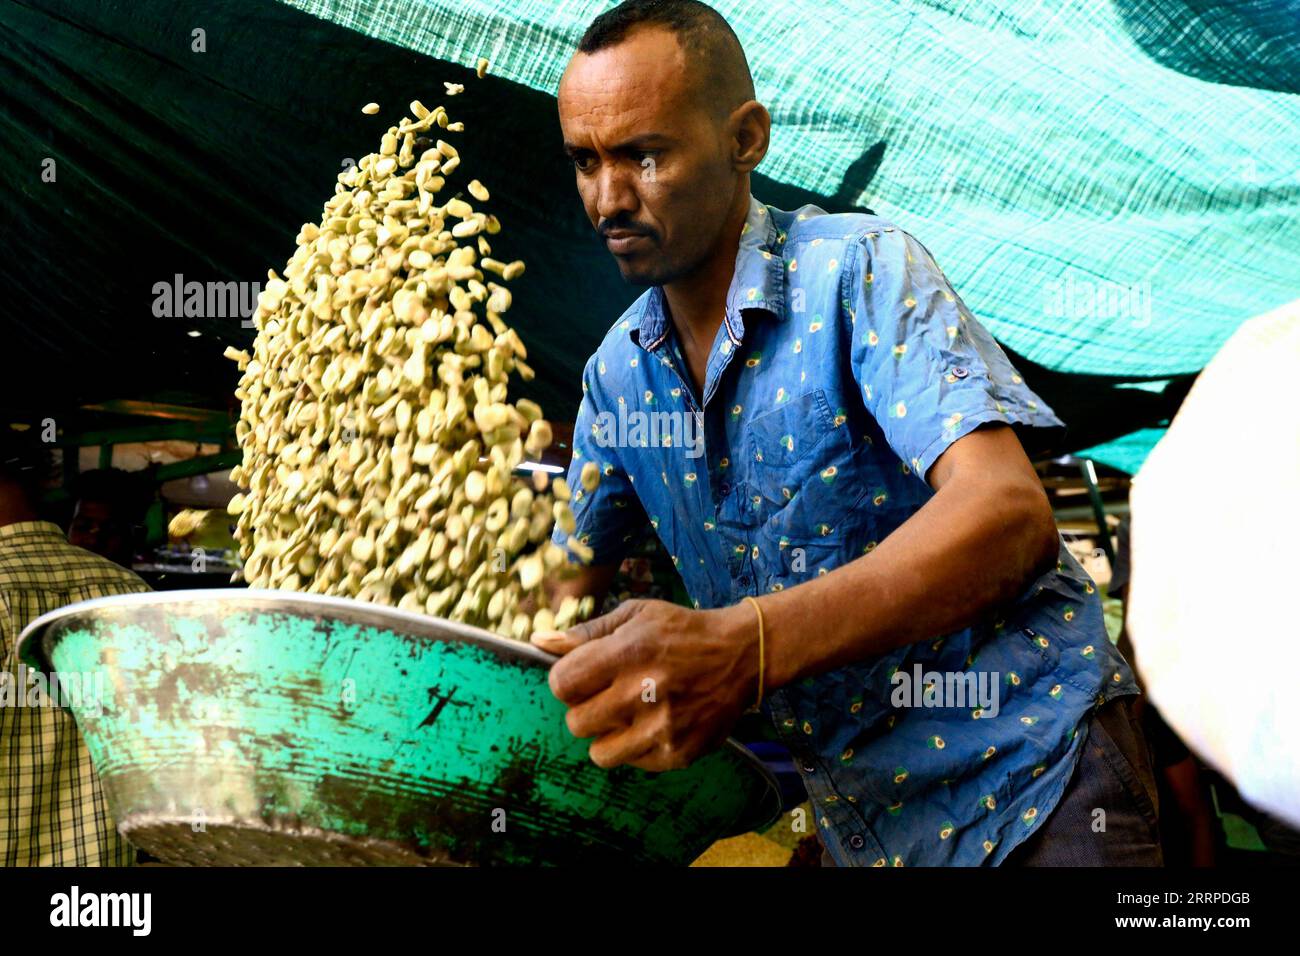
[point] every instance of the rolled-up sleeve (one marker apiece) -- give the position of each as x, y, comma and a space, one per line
609, 518
930, 373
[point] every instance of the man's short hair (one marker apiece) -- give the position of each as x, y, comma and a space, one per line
703, 33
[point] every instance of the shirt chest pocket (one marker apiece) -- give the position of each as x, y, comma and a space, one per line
797, 467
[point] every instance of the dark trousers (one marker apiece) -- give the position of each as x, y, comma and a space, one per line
1113, 786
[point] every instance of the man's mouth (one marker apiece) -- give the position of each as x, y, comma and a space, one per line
621, 241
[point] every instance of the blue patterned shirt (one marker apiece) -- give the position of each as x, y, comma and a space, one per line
845, 366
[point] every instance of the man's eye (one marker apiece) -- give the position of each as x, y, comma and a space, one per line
643, 154
582, 163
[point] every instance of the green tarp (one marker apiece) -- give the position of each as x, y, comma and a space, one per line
1034, 147
1112, 186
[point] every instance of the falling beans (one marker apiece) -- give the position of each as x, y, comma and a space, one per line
380, 446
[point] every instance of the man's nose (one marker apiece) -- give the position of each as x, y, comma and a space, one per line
615, 193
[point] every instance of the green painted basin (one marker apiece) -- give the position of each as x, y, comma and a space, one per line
265, 727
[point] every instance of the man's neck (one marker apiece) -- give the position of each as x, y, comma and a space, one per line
15, 505
696, 303
16, 515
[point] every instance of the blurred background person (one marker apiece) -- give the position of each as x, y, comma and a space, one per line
1187, 825
52, 808
1218, 655
108, 515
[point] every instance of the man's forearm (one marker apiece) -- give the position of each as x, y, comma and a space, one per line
971, 548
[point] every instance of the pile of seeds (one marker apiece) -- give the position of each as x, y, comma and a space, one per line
380, 448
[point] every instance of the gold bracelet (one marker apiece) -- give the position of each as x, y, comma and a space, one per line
761, 652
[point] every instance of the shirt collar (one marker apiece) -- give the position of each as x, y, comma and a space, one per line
20, 528
757, 284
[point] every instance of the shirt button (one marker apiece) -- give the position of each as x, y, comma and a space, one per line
725, 489
856, 841
960, 371
743, 580
809, 768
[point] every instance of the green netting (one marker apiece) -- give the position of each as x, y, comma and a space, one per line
1102, 212
1126, 453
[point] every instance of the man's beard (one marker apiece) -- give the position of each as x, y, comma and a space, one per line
646, 277
654, 271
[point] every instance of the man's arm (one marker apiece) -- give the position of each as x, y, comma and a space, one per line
984, 536
986, 533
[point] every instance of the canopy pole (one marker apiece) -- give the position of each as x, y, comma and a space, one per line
1098, 508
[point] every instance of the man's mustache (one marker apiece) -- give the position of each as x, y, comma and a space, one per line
623, 225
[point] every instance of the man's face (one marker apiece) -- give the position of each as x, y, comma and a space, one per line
98, 528
652, 162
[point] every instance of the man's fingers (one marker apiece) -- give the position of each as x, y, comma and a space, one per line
585, 671
608, 712
614, 749
593, 664
558, 643
561, 642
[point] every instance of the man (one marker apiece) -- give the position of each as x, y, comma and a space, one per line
858, 474
52, 809
109, 507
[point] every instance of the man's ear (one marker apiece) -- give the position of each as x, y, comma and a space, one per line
751, 126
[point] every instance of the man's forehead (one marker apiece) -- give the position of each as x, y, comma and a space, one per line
638, 84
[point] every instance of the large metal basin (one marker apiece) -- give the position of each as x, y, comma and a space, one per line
264, 727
